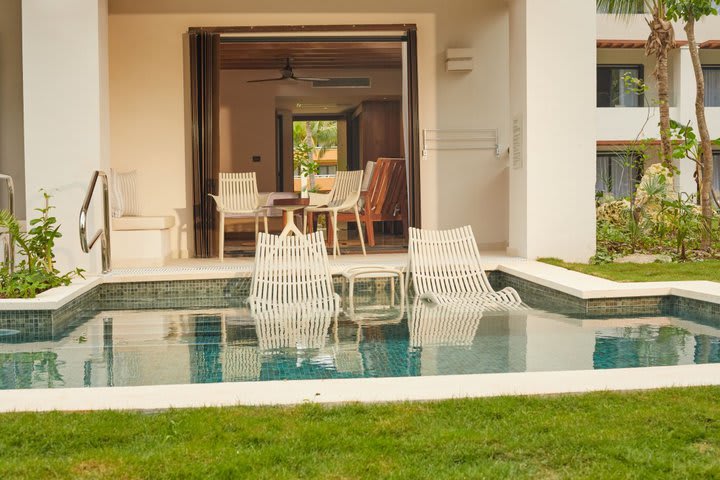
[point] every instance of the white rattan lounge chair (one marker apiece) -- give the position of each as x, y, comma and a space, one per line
342, 198
287, 326
238, 195
292, 271
445, 269
439, 325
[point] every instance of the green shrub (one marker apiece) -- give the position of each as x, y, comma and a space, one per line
657, 220
36, 272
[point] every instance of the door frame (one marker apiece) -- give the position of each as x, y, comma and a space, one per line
408, 35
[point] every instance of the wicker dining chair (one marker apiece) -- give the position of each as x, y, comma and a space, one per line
342, 198
238, 195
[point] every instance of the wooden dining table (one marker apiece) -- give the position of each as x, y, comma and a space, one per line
289, 206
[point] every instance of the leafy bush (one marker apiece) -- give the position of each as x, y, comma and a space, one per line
36, 272
681, 220
614, 212
657, 220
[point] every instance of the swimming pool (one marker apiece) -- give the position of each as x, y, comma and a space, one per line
208, 345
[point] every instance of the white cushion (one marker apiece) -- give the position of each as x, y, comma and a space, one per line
367, 176
143, 223
124, 194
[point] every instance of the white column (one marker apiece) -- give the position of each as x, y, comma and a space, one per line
552, 93
684, 95
11, 108
65, 113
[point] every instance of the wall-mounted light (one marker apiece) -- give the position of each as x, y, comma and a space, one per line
459, 59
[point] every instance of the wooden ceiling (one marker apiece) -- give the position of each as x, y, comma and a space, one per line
310, 55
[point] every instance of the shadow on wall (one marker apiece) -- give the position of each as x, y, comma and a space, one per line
183, 232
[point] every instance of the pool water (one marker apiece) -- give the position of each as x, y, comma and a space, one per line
151, 347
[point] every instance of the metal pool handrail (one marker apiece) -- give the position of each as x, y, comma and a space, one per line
103, 233
9, 256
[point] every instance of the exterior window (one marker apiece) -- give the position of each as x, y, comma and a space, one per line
617, 174
327, 170
712, 86
716, 170
611, 88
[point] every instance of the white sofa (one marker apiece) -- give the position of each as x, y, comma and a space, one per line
141, 241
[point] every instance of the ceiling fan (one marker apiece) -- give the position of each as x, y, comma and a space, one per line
288, 74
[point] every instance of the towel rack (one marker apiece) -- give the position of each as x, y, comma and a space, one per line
460, 139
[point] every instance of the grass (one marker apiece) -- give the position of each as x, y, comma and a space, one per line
650, 272
672, 433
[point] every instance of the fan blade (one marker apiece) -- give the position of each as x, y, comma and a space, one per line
267, 80
310, 79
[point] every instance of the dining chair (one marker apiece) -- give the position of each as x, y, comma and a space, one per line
342, 198
238, 195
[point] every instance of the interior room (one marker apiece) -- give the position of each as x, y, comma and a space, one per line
296, 111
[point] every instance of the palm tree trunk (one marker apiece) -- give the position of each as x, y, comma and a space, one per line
659, 44
706, 159
311, 154
664, 98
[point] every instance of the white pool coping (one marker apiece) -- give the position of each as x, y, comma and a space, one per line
366, 390
54, 298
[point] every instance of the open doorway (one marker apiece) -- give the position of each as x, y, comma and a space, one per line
319, 151
354, 105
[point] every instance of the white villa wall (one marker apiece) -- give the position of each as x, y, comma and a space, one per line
519, 98
552, 207
65, 112
11, 106
629, 123
609, 27
247, 113
148, 94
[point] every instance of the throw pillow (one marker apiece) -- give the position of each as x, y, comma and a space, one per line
124, 194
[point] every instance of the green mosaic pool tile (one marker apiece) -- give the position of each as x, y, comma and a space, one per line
536, 295
230, 293
705, 312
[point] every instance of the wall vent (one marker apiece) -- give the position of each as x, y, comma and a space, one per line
344, 82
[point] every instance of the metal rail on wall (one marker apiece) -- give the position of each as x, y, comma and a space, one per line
461, 139
103, 233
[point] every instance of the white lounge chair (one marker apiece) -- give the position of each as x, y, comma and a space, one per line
439, 325
287, 326
445, 269
238, 195
342, 198
292, 271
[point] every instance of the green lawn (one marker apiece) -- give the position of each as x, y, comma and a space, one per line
651, 272
662, 434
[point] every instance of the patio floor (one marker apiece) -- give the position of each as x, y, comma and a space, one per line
201, 268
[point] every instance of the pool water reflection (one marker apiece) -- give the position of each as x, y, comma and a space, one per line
151, 347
